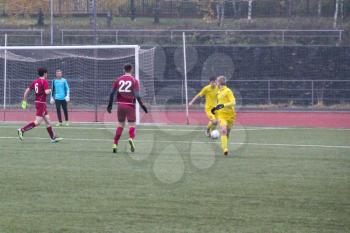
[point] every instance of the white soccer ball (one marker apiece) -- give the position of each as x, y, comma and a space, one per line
215, 134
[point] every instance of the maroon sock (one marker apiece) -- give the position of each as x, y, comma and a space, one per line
132, 132
51, 132
30, 126
118, 133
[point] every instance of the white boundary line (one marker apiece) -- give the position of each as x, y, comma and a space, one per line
198, 142
155, 129
183, 128
159, 125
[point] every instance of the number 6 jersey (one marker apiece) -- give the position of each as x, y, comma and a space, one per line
39, 86
126, 86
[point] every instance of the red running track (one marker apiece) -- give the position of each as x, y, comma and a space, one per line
265, 119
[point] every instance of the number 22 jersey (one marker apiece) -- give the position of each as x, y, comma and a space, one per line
126, 86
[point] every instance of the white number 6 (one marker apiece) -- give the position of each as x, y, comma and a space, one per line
36, 88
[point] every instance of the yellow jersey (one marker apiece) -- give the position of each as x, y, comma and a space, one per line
225, 96
210, 94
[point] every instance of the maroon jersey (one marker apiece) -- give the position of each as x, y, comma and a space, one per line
126, 86
39, 86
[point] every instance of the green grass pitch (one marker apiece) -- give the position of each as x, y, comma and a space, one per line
275, 180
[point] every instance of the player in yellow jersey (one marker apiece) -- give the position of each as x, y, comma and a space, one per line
210, 91
225, 111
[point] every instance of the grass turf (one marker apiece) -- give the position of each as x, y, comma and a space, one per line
177, 181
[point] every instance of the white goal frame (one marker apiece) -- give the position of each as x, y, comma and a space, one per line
135, 47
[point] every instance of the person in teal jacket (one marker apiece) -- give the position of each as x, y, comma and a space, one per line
60, 96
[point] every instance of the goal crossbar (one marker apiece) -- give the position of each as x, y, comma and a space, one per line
70, 47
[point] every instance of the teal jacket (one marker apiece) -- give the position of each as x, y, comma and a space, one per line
60, 89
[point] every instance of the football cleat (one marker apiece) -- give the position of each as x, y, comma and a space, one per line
132, 145
66, 123
115, 148
59, 124
20, 134
57, 139
226, 152
207, 132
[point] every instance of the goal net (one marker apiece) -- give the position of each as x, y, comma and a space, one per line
89, 70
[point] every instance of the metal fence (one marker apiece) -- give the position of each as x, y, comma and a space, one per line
249, 93
268, 93
169, 37
197, 37
22, 36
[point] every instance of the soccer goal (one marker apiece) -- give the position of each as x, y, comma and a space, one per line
89, 70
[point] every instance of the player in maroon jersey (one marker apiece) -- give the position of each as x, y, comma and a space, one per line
127, 89
41, 90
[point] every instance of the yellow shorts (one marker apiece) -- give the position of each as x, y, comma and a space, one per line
227, 120
210, 115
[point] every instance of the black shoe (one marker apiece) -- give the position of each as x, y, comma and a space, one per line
226, 152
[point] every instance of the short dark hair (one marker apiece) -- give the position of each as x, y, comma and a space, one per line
212, 78
221, 80
42, 71
127, 68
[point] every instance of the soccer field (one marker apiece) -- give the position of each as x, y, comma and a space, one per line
275, 180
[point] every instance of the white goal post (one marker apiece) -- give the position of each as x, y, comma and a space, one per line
23, 59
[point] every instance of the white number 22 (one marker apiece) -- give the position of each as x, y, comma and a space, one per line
124, 86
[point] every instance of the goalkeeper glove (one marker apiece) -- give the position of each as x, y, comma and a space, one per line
141, 104
67, 98
144, 108
217, 107
109, 108
52, 100
24, 104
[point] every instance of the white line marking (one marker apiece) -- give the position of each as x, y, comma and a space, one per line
197, 142
190, 129
173, 127
154, 129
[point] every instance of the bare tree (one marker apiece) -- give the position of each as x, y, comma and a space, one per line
60, 3
234, 8
25, 7
112, 6
76, 5
91, 9
132, 10
342, 9
206, 8
40, 20
319, 8
109, 17
336, 12
250, 9
239, 9
220, 12
156, 11
290, 7
308, 7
